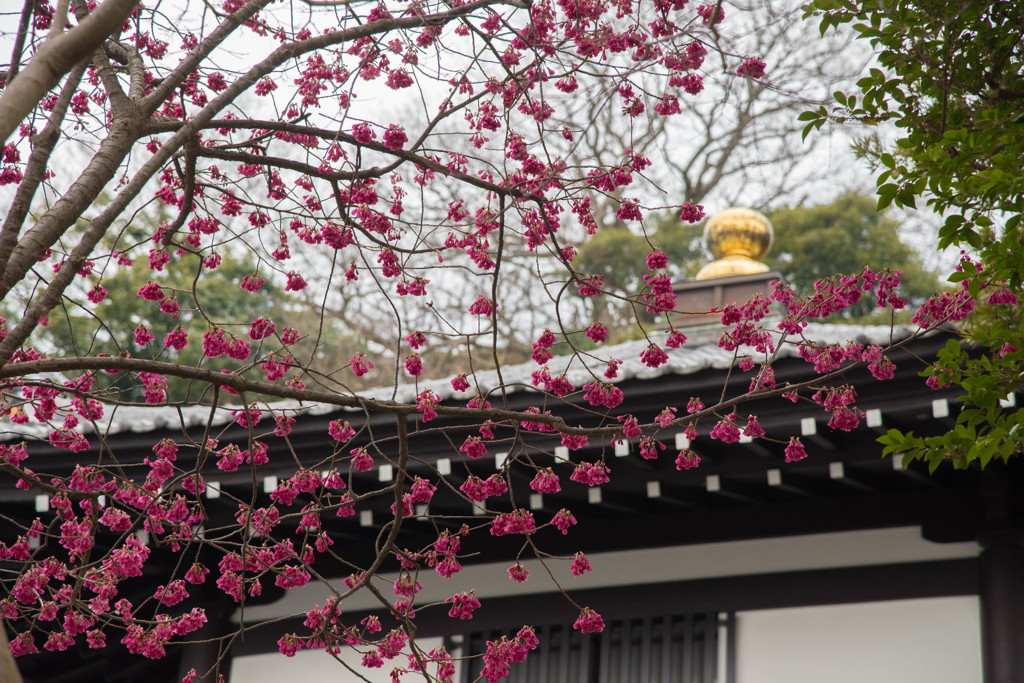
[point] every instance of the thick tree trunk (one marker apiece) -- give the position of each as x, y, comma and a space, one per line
8, 667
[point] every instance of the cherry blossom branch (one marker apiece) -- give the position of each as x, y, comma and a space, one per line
36, 168
118, 97
129, 56
188, 177
54, 58
37, 483
46, 232
327, 134
228, 25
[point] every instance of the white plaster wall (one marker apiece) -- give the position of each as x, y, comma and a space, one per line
652, 565
776, 646
934, 640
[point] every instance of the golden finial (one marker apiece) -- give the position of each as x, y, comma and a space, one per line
737, 239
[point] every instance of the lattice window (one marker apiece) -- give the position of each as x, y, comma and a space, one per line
699, 650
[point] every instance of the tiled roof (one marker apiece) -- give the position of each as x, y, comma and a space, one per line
700, 353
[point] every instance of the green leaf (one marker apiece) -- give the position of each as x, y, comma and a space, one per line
906, 197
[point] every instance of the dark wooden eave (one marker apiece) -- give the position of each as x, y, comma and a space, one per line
740, 491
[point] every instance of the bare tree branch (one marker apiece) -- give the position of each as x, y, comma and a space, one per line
19, 41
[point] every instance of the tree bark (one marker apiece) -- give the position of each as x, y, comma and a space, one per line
8, 667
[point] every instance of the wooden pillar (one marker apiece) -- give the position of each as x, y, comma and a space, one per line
1001, 584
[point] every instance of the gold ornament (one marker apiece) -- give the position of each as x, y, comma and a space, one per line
737, 239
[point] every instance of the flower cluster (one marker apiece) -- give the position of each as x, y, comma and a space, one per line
589, 621
478, 490
590, 473
501, 654
517, 522
463, 604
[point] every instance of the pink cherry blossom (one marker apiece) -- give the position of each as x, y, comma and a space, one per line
589, 621
518, 573
580, 565
687, 460
691, 213
795, 450
751, 68
413, 364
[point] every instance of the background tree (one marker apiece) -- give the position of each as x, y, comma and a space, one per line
735, 142
811, 243
844, 236
111, 327
738, 143
111, 323
951, 81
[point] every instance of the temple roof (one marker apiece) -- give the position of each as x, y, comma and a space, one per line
701, 352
